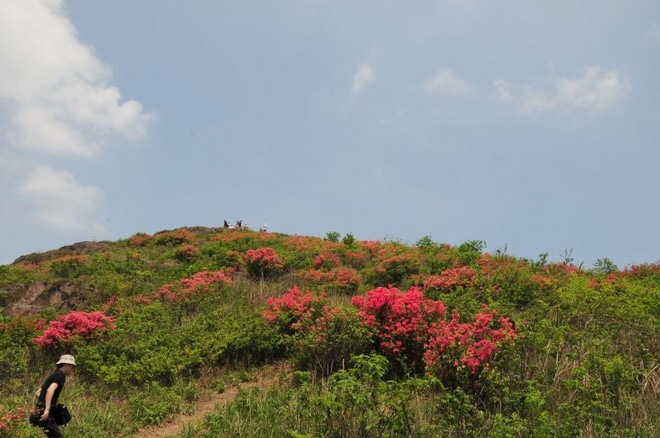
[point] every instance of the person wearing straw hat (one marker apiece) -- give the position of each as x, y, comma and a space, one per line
49, 393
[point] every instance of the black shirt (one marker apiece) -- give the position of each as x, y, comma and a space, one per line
57, 377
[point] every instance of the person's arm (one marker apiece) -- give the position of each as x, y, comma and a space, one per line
49, 399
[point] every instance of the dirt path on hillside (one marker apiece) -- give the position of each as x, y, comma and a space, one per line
264, 377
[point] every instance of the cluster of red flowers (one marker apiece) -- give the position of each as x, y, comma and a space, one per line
302, 313
408, 325
326, 261
177, 237
466, 344
543, 280
401, 319
293, 308
644, 270
343, 278
356, 259
451, 278
74, 325
263, 261
139, 239
187, 252
8, 417
186, 287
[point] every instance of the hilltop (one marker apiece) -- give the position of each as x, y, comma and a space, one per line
386, 338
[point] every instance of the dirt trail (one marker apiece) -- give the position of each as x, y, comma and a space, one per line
264, 377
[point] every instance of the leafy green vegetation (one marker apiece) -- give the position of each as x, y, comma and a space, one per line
387, 339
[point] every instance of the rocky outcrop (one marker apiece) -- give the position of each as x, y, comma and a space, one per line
32, 298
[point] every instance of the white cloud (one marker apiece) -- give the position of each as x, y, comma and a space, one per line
62, 201
363, 76
55, 87
595, 91
447, 82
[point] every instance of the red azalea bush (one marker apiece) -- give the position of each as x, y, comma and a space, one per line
73, 326
187, 253
453, 344
326, 261
450, 279
294, 310
139, 239
401, 321
11, 419
412, 330
394, 269
322, 338
186, 287
340, 279
263, 262
173, 238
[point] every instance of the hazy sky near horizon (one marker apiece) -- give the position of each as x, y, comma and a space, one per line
534, 126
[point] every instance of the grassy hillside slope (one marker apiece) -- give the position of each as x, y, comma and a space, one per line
388, 339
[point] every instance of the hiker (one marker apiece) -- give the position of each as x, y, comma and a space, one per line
48, 395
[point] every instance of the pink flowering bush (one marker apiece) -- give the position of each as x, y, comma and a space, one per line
321, 338
326, 261
453, 344
73, 326
187, 253
451, 279
263, 262
295, 310
183, 289
412, 331
10, 420
401, 321
395, 269
344, 280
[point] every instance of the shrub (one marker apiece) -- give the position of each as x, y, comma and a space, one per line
68, 267
332, 236
173, 238
395, 269
451, 279
401, 321
186, 253
348, 239
73, 326
326, 261
263, 262
453, 344
321, 338
343, 280
10, 420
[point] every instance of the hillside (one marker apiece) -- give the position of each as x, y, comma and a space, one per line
387, 339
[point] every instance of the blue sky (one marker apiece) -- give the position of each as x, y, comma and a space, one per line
534, 126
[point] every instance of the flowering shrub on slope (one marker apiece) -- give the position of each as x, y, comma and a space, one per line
295, 310
453, 344
338, 279
186, 287
450, 279
263, 262
9, 420
321, 337
73, 326
401, 320
412, 330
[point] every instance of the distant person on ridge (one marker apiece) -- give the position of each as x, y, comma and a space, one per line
49, 393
